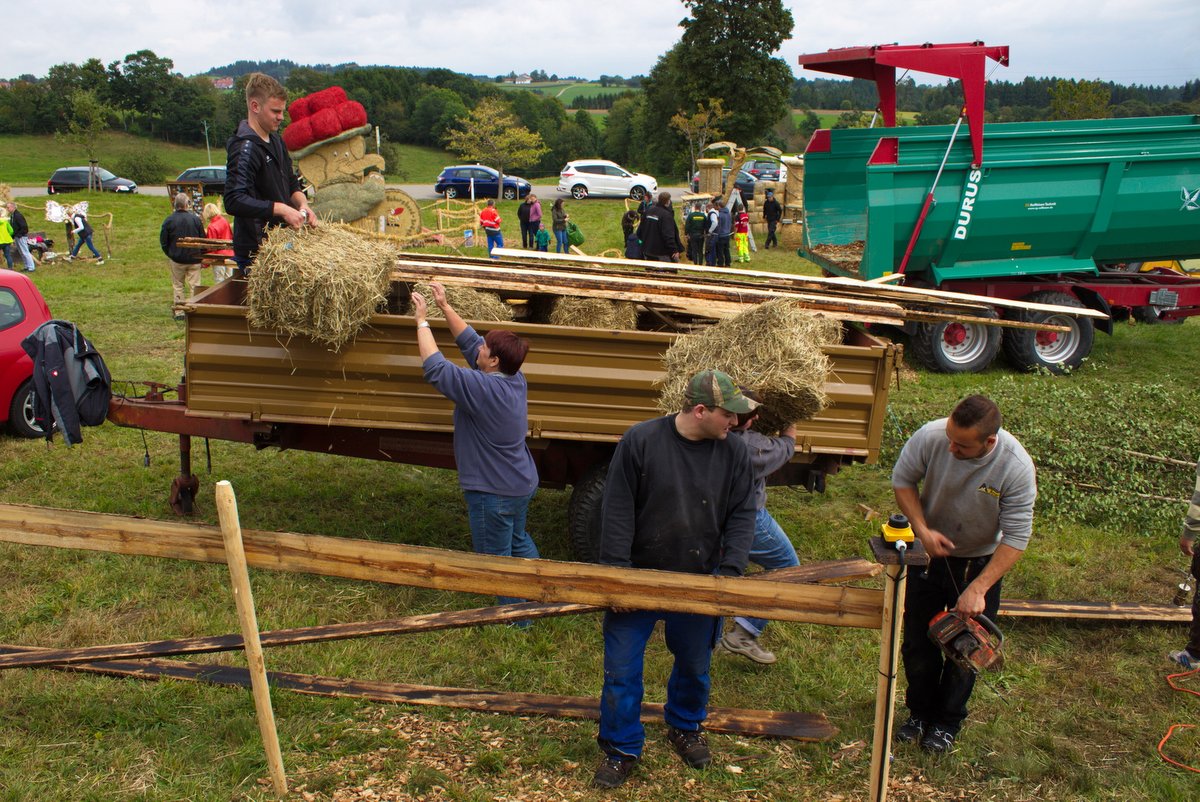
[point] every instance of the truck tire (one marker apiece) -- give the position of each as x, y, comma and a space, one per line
954, 347
583, 513
20, 412
1055, 351
1149, 316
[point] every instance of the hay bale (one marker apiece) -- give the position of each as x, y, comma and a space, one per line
593, 313
323, 283
774, 349
470, 304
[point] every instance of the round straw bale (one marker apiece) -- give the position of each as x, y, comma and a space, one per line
470, 304
323, 283
592, 313
775, 349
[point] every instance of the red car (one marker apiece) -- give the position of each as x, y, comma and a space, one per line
22, 309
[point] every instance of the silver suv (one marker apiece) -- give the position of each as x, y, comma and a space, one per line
585, 177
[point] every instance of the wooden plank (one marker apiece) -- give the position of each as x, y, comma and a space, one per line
537, 580
1117, 612
824, 572
768, 723
428, 622
831, 281
885, 690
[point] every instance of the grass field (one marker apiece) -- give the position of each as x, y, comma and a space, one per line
566, 91
830, 116
1075, 713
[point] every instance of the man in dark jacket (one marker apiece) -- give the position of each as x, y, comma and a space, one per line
20, 235
261, 190
659, 232
772, 214
184, 262
679, 497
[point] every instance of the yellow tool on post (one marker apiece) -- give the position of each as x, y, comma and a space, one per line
898, 533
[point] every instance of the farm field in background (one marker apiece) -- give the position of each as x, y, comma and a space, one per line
1075, 713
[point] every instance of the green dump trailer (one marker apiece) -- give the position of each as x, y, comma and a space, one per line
1064, 212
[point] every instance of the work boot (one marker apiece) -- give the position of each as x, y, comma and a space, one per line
739, 641
691, 745
938, 740
911, 731
613, 771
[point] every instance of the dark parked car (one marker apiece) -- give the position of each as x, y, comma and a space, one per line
456, 181
74, 179
211, 177
763, 170
744, 183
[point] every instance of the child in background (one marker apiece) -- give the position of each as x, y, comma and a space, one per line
741, 236
542, 237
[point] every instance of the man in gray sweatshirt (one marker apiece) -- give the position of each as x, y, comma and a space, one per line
968, 488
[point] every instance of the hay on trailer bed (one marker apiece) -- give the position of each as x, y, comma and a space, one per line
470, 304
593, 313
774, 349
323, 283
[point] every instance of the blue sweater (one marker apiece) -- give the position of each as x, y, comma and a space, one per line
491, 419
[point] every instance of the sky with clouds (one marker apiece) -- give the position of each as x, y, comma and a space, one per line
1151, 42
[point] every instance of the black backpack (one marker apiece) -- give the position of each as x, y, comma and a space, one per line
72, 385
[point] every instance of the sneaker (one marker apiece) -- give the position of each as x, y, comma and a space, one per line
739, 641
1184, 658
99, 262
911, 731
938, 741
691, 745
180, 316
613, 771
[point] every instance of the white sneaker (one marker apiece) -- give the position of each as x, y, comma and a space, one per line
1184, 658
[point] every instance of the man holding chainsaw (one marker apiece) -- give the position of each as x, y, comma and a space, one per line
968, 488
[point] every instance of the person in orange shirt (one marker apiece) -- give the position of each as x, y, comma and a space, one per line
489, 220
217, 227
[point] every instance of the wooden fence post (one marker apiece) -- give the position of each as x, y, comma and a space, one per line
894, 575
235, 556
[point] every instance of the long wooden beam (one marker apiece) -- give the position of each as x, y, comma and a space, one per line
1116, 612
417, 566
822, 572
769, 723
877, 290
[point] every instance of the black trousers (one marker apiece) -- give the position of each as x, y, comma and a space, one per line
771, 238
528, 230
723, 258
938, 689
1193, 644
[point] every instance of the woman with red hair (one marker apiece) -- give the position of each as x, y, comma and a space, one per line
491, 419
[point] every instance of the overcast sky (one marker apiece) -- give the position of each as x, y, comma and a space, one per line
1127, 41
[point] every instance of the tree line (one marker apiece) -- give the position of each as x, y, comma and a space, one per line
721, 81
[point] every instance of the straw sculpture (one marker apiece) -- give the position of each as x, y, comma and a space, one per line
775, 349
470, 304
323, 283
592, 313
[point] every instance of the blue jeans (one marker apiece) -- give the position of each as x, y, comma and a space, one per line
6, 247
23, 249
690, 637
498, 527
560, 242
771, 549
495, 240
80, 241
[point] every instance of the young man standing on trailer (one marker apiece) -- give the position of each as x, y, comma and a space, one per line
968, 488
261, 189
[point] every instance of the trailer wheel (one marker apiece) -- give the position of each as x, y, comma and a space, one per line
1055, 351
955, 347
583, 513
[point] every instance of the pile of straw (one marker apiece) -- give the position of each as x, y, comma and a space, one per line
470, 304
323, 283
774, 349
592, 313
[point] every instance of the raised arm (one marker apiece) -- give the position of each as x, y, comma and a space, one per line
455, 321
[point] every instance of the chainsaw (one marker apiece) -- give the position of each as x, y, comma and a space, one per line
972, 643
